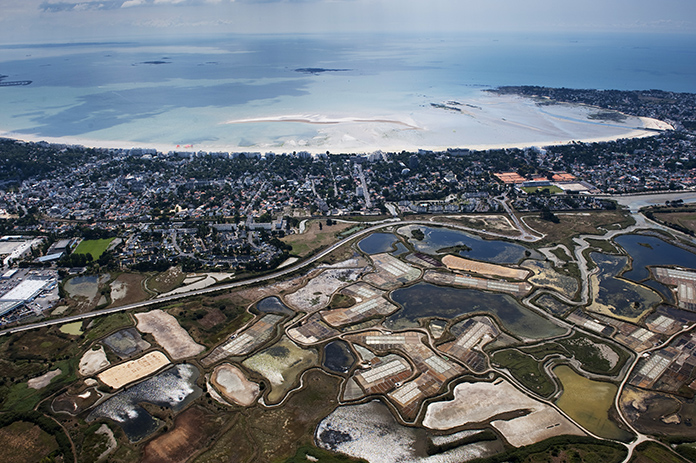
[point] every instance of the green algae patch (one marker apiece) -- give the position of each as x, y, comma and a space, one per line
74, 329
588, 402
282, 364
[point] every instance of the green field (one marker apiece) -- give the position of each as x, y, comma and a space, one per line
526, 369
551, 189
93, 247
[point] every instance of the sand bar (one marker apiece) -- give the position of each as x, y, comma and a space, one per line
483, 268
500, 121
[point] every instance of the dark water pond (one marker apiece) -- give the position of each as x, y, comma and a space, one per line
273, 305
649, 250
174, 388
438, 239
625, 298
427, 300
338, 357
400, 249
377, 243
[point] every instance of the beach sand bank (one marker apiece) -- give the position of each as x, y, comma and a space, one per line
487, 121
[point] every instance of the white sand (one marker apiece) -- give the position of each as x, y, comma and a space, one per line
479, 402
92, 361
42, 381
492, 121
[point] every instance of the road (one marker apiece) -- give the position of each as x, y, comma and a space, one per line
239, 284
526, 236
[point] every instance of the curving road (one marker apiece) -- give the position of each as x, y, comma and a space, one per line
237, 284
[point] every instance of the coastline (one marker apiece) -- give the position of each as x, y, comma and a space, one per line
515, 121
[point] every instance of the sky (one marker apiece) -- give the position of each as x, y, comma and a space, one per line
46, 21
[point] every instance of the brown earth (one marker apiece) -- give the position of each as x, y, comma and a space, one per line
212, 318
73, 403
192, 429
22, 441
580, 223
313, 239
166, 281
685, 219
269, 435
134, 289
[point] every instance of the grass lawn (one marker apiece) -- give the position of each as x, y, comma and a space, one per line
93, 247
552, 189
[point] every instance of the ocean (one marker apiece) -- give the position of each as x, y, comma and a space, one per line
333, 93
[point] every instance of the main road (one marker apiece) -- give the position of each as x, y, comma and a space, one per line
229, 286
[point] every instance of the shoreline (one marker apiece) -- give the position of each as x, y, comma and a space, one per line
428, 129
391, 148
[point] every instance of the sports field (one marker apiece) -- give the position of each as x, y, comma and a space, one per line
94, 247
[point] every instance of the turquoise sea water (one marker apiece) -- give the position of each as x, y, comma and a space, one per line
183, 92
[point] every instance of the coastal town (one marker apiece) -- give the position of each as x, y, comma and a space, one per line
465, 303
231, 210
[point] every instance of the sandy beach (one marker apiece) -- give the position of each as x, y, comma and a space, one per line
486, 122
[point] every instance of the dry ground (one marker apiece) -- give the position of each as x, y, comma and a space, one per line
22, 441
231, 382
192, 429
482, 268
482, 401
493, 223
128, 289
685, 219
92, 361
168, 334
579, 222
313, 239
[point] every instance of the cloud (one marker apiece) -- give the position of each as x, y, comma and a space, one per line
84, 5
53, 7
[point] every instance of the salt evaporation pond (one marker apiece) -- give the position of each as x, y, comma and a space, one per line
427, 300
174, 388
273, 305
370, 431
496, 251
377, 243
650, 250
621, 297
338, 357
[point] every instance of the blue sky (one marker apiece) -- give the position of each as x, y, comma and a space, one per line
34, 21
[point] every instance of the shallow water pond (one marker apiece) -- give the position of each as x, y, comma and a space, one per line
437, 241
174, 388
616, 296
83, 286
338, 357
427, 300
377, 243
649, 250
273, 305
370, 431
588, 402
282, 364
74, 328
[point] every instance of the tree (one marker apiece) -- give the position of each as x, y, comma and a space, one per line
547, 215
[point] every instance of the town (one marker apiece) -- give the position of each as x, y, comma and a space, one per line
234, 211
